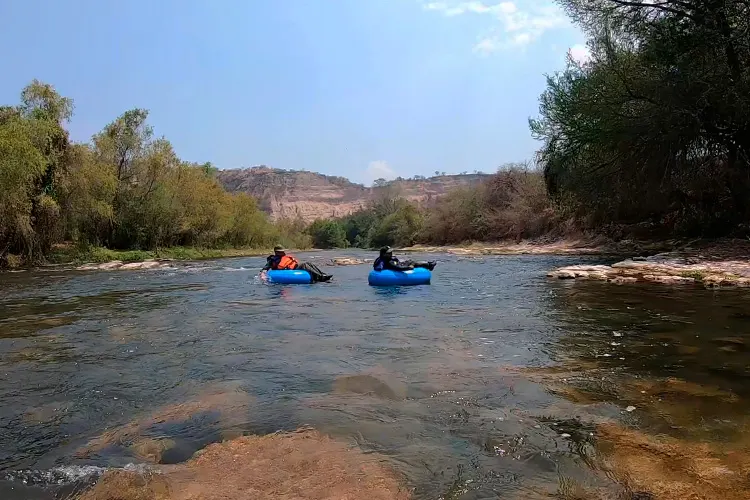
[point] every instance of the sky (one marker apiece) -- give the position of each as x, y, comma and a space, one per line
358, 88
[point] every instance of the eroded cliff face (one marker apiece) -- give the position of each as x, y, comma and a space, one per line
310, 196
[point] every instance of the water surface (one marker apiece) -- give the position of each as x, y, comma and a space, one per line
95, 366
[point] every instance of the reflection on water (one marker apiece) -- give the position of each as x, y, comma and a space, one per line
493, 381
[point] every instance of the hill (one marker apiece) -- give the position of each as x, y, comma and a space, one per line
310, 195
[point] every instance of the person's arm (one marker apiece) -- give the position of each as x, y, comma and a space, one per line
269, 263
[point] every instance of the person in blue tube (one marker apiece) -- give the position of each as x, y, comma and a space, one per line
281, 261
386, 260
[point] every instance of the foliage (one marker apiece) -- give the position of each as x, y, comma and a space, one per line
126, 190
400, 227
388, 220
21, 164
655, 129
512, 204
328, 234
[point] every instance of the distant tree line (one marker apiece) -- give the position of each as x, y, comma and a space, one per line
511, 204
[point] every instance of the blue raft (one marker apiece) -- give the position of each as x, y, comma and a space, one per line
289, 276
417, 276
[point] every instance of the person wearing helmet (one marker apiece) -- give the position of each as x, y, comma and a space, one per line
280, 261
386, 260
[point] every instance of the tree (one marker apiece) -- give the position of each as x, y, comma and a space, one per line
209, 169
126, 189
21, 164
30, 131
328, 234
655, 128
123, 141
87, 190
40, 101
379, 182
400, 227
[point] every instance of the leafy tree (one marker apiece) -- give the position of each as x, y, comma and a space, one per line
21, 164
654, 128
400, 227
328, 234
86, 196
357, 227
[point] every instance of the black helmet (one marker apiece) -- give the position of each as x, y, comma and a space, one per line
386, 250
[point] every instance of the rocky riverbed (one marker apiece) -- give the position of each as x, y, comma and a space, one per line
719, 264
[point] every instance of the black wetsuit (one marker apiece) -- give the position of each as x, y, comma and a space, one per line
394, 264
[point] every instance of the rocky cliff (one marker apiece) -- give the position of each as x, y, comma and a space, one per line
310, 196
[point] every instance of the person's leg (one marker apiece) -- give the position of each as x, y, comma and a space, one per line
315, 272
424, 264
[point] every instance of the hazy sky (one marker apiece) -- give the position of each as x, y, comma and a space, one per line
359, 88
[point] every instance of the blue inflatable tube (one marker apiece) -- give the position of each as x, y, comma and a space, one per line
289, 277
418, 276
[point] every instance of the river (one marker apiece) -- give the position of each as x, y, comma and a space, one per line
493, 381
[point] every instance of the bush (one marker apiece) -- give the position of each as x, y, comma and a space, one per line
512, 204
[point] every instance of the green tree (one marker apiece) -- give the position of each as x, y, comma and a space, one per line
654, 129
328, 234
87, 191
357, 226
31, 206
400, 227
21, 164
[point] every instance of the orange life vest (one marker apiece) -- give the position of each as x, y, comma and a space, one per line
287, 262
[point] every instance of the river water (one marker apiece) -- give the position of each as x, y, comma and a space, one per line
490, 382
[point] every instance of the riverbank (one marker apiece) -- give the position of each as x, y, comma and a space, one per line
69, 255
582, 246
722, 263
93, 258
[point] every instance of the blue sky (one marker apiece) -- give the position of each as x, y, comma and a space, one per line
359, 88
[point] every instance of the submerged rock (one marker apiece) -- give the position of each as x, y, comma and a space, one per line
669, 468
368, 384
349, 261
297, 465
130, 266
